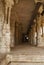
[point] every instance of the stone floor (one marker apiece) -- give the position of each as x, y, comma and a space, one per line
26, 55
27, 49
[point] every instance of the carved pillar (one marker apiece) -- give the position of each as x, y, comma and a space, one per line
1, 24
8, 13
39, 26
6, 28
38, 30
43, 24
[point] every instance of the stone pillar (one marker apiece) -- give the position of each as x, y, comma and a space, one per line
13, 29
38, 30
34, 35
5, 47
1, 24
31, 37
43, 24
38, 23
8, 6
42, 32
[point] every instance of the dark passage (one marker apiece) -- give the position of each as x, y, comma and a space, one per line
25, 37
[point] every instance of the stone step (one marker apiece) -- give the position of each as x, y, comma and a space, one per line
26, 59
26, 55
26, 64
23, 55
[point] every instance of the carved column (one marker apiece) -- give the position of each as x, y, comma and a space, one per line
6, 27
39, 31
1, 24
34, 35
39, 26
35, 32
43, 24
9, 4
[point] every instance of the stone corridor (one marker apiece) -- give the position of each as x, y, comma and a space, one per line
21, 32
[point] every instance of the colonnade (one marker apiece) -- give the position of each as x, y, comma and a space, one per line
36, 33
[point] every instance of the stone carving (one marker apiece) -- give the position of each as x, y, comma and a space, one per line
6, 29
39, 1
5, 46
40, 9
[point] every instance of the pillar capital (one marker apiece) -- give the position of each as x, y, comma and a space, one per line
9, 3
42, 1
40, 9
